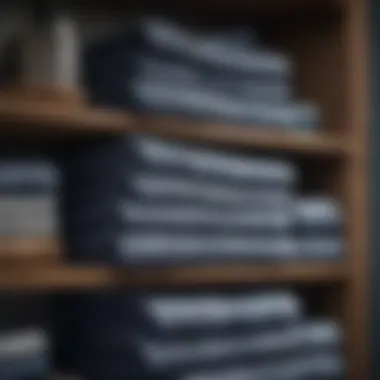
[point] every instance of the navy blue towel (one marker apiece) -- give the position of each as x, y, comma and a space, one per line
109, 328
328, 366
127, 151
251, 346
319, 215
161, 68
319, 228
176, 315
119, 209
28, 177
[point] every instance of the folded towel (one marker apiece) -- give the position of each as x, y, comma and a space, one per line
165, 187
319, 223
167, 38
318, 366
168, 249
22, 343
30, 367
24, 215
127, 152
28, 177
25, 354
110, 191
235, 218
132, 215
318, 213
202, 102
320, 247
162, 356
170, 315
100, 324
170, 70
173, 89
150, 69
173, 248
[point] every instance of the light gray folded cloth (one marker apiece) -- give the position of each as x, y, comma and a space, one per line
25, 353
23, 215
250, 90
21, 343
135, 213
165, 247
168, 73
157, 186
130, 153
319, 211
203, 161
320, 247
203, 103
35, 174
318, 366
213, 52
209, 309
316, 335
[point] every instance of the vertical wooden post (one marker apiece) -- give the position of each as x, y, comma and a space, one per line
356, 186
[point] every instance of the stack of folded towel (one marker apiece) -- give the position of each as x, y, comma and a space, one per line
319, 228
238, 335
144, 200
160, 67
25, 354
28, 198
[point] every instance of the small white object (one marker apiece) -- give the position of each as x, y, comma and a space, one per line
51, 52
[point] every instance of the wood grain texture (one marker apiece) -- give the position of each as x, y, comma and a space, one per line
47, 94
64, 277
53, 118
320, 144
23, 251
356, 185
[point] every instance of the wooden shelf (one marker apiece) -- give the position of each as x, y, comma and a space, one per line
29, 250
64, 277
321, 144
52, 118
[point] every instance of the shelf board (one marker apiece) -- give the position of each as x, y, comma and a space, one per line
64, 277
321, 144
52, 118
23, 251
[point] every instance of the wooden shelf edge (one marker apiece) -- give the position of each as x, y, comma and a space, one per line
317, 143
25, 251
54, 118
64, 277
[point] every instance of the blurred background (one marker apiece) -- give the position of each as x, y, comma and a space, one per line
184, 190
